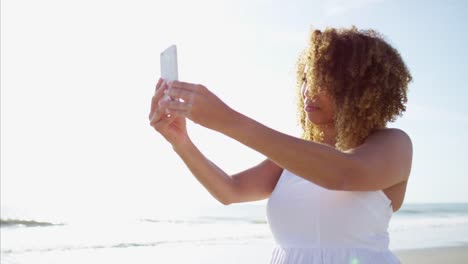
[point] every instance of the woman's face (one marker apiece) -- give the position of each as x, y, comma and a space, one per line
319, 108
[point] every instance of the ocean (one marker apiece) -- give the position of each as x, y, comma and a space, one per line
237, 233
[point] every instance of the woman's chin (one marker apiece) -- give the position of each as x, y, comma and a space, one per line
317, 122
314, 121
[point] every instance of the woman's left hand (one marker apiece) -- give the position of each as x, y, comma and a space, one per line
199, 105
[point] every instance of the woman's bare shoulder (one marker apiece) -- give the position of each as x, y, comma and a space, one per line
394, 132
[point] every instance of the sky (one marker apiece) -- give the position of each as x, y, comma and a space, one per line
77, 79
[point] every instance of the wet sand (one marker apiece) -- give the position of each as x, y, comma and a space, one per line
446, 255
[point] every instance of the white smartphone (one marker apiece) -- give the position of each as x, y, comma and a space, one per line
169, 72
168, 60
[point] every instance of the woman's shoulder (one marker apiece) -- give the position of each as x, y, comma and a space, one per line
393, 135
397, 132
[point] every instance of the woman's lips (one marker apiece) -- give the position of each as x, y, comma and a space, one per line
310, 108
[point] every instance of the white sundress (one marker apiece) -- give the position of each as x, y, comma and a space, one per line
314, 225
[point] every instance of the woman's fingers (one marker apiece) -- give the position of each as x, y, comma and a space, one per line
160, 81
186, 96
155, 117
177, 105
174, 106
168, 107
157, 97
172, 99
184, 85
183, 90
162, 124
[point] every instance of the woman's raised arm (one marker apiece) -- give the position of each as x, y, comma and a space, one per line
253, 184
319, 163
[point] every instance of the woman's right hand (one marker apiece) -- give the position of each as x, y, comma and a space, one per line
171, 126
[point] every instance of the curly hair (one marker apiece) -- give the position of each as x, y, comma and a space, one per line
365, 76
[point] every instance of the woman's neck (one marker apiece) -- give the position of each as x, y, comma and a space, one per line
329, 134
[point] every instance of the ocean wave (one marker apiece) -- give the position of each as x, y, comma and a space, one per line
25, 223
233, 219
206, 220
429, 223
433, 209
198, 242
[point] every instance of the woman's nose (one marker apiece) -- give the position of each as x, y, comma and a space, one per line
304, 91
307, 94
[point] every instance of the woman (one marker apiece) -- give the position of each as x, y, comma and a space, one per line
331, 193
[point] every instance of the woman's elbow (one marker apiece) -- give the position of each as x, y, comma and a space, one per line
225, 202
228, 197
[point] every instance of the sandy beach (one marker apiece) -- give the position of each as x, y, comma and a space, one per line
446, 255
